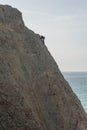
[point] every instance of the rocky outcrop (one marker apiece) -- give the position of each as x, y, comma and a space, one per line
33, 93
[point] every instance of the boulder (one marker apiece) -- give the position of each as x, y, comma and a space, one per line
33, 92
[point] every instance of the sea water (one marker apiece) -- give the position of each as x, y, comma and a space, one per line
78, 83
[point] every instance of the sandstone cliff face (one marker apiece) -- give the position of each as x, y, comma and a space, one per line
33, 93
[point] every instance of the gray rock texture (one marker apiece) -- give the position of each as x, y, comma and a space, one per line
33, 93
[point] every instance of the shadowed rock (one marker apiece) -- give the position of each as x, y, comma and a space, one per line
33, 93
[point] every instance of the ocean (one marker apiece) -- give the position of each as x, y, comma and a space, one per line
78, 83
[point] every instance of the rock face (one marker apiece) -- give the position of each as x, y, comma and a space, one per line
33, 93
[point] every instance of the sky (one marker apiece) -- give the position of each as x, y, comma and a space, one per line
64, 25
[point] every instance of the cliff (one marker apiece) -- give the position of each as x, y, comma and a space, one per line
33, 93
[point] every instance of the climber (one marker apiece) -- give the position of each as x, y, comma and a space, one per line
42, 38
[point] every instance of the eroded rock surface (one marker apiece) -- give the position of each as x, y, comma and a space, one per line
33, 93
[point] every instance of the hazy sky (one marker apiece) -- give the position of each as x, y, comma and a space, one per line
63, 23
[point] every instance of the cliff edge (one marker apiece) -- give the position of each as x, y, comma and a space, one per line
33, 93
